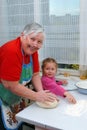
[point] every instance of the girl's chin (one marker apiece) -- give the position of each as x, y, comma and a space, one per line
50, 76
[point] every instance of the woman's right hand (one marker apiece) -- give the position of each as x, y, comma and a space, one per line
45, 95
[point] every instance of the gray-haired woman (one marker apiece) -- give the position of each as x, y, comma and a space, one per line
19, 63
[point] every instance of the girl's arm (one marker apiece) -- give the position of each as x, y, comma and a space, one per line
51, 85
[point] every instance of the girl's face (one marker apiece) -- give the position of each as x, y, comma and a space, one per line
50, 69
32, 42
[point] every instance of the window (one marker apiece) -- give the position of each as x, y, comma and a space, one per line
14, 15
61, 23
64, 22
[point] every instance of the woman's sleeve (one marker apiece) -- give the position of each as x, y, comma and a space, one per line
36, 66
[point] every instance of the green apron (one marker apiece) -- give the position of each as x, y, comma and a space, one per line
10, 103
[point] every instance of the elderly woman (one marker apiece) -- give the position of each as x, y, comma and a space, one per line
19, 63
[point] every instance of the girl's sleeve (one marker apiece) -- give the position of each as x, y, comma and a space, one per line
53, 87
59, 82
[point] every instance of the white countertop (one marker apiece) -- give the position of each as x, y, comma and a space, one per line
65, 116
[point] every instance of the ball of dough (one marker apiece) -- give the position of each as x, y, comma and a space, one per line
48, 104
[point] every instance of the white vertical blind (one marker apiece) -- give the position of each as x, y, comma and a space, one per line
66, 32
37, 9
62, 31
83, 32
4, 29
14, 15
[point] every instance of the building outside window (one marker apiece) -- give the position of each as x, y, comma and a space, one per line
64, 23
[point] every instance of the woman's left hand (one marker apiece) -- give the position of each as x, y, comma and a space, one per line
46, 95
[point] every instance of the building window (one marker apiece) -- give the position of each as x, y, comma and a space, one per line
61, 23
64, 22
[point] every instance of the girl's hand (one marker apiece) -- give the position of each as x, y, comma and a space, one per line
64, 82
69, 97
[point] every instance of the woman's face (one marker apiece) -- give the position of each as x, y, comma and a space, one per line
32, 42
50, 69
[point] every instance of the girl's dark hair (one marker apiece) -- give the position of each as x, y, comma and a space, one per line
48, 60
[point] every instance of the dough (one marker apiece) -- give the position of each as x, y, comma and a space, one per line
48, 104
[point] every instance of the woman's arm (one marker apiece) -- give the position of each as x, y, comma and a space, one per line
36, 80
21, 90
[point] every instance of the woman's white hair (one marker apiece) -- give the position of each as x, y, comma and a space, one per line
33, 27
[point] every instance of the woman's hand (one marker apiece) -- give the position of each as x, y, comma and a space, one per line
45, 95
69, 97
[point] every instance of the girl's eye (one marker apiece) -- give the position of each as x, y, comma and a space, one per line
47, 68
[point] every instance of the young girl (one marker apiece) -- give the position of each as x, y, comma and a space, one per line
49, 69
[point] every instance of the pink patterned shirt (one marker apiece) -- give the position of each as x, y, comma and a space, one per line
52, 85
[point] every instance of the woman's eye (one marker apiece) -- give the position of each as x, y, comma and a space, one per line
39, 42
32, 39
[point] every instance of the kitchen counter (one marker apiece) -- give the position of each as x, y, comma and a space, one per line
65, 116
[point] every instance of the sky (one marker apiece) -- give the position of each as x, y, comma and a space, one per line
61, 7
